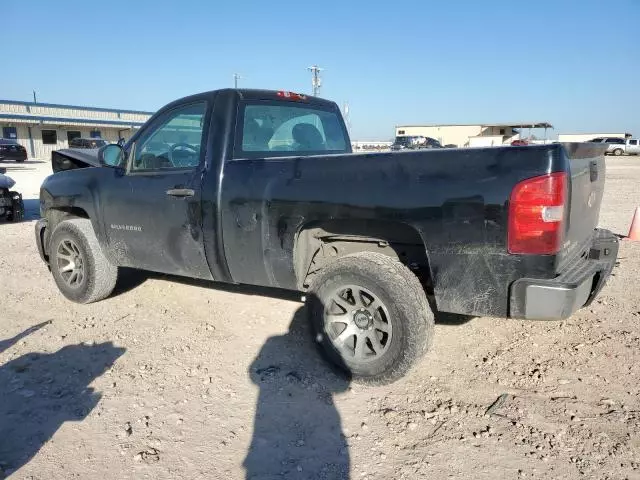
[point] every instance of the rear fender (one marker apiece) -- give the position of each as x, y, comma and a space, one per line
319, 244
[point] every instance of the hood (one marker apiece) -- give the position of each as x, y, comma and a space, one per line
70, 159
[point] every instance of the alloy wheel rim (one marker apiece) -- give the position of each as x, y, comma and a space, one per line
71, 263
358, 323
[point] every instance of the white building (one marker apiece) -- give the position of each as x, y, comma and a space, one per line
479, 135
43, 127
585, 137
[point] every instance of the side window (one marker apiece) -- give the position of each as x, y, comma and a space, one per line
633, 142
73, 134
174, 143
49, 137
9, 132
615, 140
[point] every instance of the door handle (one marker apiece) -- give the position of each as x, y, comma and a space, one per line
593, 171
181, 192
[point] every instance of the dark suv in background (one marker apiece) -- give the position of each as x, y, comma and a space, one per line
87, 143
413, 142
12, 150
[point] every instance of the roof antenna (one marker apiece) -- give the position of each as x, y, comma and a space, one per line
316, 81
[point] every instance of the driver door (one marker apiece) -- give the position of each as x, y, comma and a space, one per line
152, 211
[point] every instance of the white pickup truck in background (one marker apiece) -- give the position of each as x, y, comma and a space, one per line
620, 146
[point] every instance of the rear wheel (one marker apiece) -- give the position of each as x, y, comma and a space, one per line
81, 271
370, 316
617, 152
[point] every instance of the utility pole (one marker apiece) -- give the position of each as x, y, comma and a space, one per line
347, 118
236, 77
316, 81
35, 100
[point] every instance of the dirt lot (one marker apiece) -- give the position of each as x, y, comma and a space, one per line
173, 379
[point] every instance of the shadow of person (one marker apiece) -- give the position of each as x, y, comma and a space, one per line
9, 342
297, 431
41, 391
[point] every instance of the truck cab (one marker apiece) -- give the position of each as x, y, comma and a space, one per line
632, 146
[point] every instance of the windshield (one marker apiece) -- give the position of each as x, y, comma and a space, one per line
272, 129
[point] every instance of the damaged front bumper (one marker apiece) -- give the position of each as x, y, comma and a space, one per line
576, 287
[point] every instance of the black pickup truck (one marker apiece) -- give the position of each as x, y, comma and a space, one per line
261, 188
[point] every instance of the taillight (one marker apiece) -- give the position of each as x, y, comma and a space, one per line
536, 214
291, 95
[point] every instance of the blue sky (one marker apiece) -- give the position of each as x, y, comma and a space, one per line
575, 63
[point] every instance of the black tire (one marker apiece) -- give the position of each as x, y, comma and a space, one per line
99, 276
402, 297
17, 208
617, 152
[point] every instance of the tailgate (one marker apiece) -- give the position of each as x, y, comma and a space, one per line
587, 168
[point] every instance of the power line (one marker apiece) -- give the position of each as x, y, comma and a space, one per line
316, 81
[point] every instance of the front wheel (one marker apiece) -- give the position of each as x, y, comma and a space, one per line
81, 271
370, 316
617, 152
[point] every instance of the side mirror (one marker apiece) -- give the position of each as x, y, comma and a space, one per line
121, 142
111, 155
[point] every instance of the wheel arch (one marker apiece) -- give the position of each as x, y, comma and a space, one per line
54, 216
319, 243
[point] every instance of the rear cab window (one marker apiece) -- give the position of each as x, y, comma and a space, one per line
273, 128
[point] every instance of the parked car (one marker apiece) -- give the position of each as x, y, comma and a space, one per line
11, 204
519, 143
414, 142
615, 146
87, 143
266, 191
12, 150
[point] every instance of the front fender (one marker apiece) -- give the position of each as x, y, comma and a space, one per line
73, 192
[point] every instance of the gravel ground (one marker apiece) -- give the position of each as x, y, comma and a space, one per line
179, 379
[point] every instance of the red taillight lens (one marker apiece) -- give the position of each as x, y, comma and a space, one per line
536, 214
291, 95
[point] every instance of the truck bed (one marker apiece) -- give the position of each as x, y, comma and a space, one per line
455, 199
